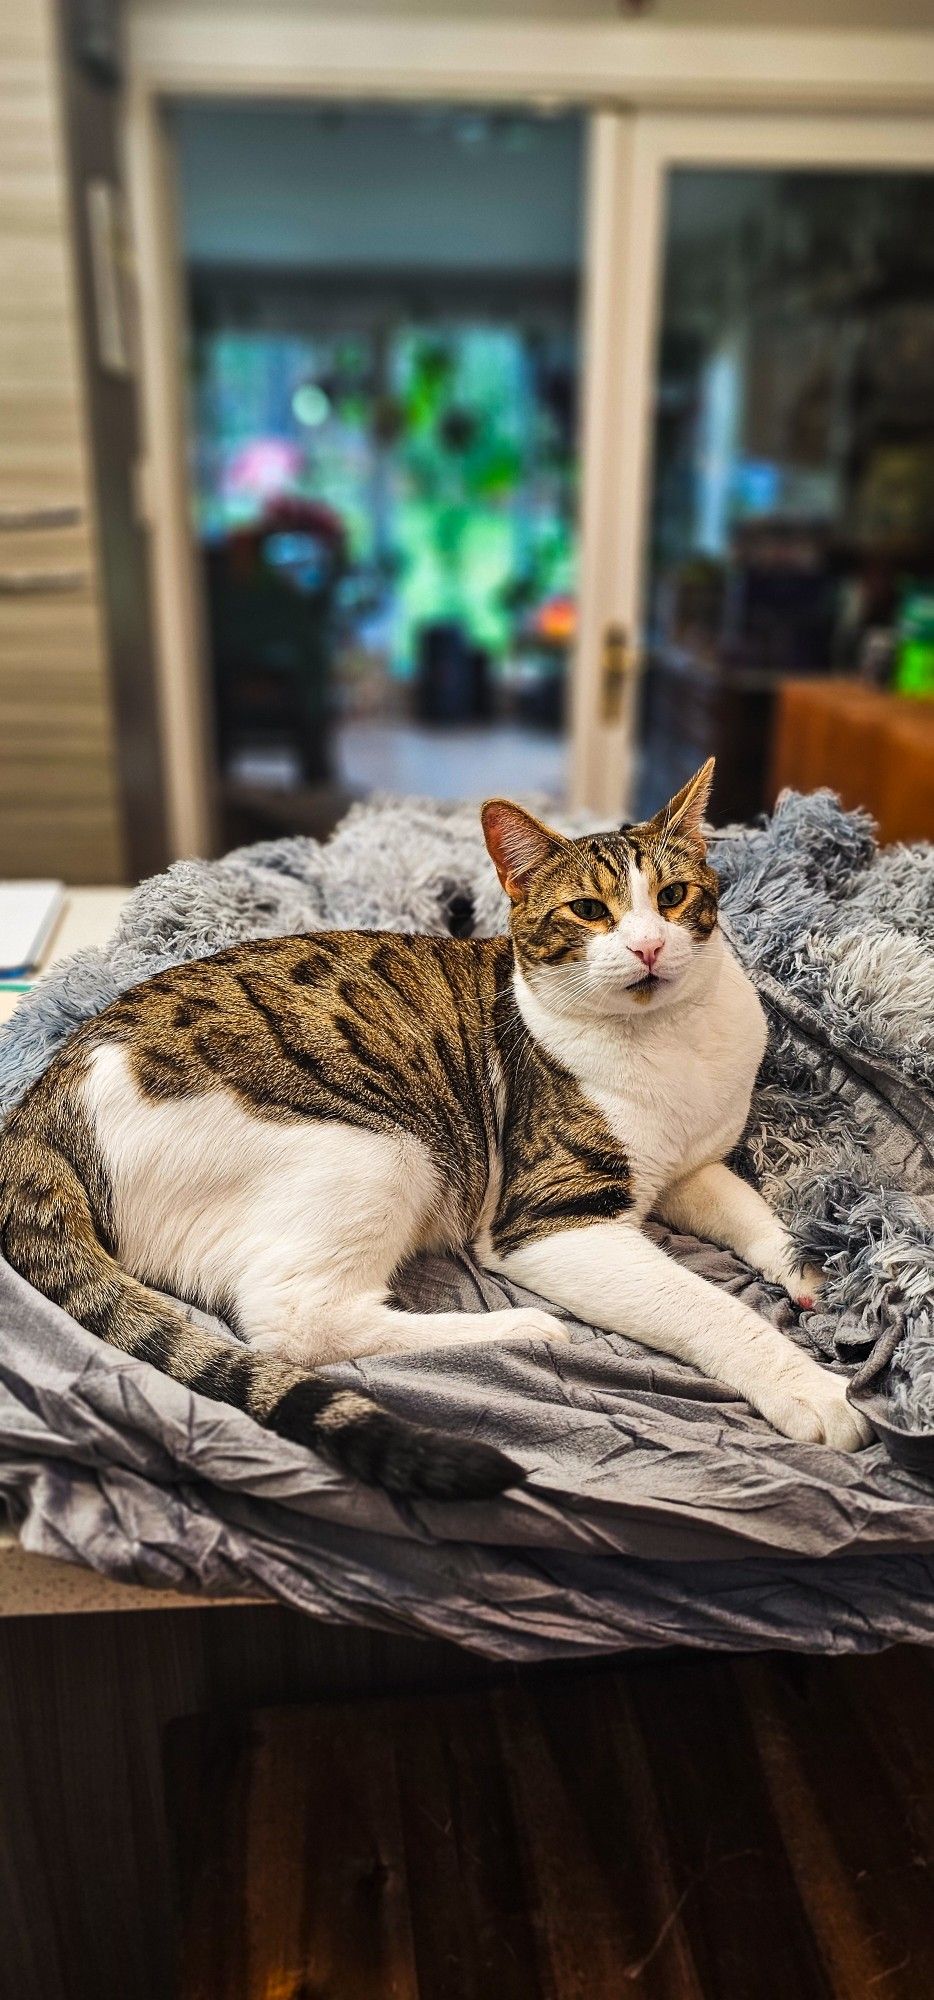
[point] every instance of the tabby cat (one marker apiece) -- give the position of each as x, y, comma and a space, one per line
271, 1132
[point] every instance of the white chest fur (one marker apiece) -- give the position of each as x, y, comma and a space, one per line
674, 1084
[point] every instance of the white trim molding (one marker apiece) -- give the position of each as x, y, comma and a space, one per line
165, 495
292, 52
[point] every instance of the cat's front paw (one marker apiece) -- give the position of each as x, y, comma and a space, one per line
776, 1257
809, 1404
805, 1285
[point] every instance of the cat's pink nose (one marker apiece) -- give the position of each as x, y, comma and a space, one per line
648, 953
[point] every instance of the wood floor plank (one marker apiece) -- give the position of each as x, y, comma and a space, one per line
829, 1889
846, 1831
207, 1790
598, 1856
473, 1928
303, 1889
889, 1700
682, 1829
742, 1913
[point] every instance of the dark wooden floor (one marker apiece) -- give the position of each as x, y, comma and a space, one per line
670, 1829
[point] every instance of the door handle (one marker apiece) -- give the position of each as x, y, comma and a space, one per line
617, 665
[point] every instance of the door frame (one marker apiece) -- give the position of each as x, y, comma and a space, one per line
627, 76
636, 153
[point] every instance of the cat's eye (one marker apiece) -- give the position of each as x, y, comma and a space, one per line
671, 895
589, 910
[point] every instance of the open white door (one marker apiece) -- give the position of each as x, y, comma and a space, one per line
633, 157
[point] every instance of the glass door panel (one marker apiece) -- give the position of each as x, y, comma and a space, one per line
790, 515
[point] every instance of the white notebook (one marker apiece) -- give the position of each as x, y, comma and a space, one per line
29, 912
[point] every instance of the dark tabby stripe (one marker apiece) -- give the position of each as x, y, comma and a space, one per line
55, 1228
376, 1031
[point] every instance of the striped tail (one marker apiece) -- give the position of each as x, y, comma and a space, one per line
49, 1235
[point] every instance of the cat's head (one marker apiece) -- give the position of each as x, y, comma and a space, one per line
608, 923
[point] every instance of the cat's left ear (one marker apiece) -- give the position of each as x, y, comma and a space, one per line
518, 844
684, 813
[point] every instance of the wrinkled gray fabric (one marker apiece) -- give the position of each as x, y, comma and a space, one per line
658, 1509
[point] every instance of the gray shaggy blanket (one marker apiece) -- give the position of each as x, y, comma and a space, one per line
838, 936
629, 1456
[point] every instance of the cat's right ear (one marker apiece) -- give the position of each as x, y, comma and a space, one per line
517, 842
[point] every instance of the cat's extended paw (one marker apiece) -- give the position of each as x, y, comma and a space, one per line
805, 1285
284, 1347
530, 1323
810, 1405
776, 1257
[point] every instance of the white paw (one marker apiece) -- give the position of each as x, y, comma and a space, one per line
776, 1257
805, 1285
529, 1323
269, 1343
810, 1405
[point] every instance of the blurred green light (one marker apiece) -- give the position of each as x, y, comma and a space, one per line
310, 405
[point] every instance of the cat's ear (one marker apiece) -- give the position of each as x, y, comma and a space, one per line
518, 843
684, 813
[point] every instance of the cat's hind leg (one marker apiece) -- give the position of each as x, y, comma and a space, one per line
321, 1330
318, 1256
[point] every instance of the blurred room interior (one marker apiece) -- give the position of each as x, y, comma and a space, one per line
382, 426
536, 402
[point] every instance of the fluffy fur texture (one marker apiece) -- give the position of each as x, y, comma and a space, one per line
839, 937
795, 890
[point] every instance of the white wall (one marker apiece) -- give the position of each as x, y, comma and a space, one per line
379, 189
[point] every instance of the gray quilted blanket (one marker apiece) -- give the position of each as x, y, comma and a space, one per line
658, 1508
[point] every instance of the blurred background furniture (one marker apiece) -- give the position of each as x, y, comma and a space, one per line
58, 777
874, 747
691, 708
81, 777
791, 529
270, 590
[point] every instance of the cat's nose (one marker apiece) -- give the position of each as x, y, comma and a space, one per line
648, 953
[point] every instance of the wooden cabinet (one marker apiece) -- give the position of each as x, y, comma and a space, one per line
59, 811
875, 748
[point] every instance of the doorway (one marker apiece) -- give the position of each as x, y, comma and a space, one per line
632, 155
382, 392
777, 426
791, 531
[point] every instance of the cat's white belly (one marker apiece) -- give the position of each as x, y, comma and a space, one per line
293, 1228
685, 1103
674, 1086
216, 1204
670, 1126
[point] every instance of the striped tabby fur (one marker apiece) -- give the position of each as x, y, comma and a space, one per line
270, 1132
